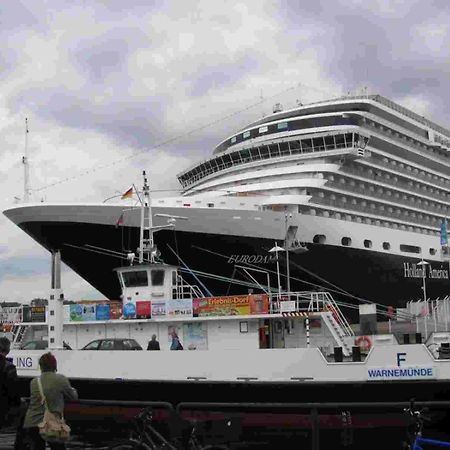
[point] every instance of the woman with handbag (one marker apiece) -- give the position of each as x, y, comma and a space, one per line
44, 420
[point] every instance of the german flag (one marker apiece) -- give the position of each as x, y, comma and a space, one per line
127, 194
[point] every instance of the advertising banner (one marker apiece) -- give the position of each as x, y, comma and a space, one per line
129, 308
115, 310
37, 314
102, 312
76, 313
237, 305
158, 308
195, 336
88, 313
179, 307
143, 309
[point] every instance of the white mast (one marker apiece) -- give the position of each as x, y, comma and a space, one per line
146, 244
26, 168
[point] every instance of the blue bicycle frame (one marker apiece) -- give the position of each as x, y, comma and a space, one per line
421, 440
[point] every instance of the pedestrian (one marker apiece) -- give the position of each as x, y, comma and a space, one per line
9, 391
56, 388
153, 344
176, 344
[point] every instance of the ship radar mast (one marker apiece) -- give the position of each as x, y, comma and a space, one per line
147, 248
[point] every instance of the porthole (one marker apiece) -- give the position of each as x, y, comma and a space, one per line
432, 251
367, 243
319, 239
346, 241
386, 246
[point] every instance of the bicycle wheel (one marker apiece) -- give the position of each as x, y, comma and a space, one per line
130, 445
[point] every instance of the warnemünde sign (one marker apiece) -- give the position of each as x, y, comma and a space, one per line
414, 271
401, 373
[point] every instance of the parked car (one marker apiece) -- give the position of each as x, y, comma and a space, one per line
35, 345
40, 345
113, 344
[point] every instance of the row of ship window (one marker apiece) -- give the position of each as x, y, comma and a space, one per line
410, 140
367, 205
369, 221
347, 242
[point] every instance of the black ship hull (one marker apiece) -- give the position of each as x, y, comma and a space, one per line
350, 274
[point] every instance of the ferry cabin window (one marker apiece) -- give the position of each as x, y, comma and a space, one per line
409, 248
246, 134
233, 140
386, 246
432, 251
282, 125
263, 129
157, 277
135, 279
367, 243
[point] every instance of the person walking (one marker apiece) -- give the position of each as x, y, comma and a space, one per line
176, 344
153, 344
9, 392
56, 388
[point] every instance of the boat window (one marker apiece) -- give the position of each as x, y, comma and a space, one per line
432, 251
174, 278
135, 278
346, 241
246, 134
319, 239
233, 139
263, 130
367, 243
157, 277
386, 246
409, 248
282, 125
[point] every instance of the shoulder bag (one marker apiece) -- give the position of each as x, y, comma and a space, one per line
52, 428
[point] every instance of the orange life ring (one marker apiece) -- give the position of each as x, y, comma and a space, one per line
364, 342
7, 327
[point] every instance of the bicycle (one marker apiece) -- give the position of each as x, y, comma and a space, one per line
146, 437
415, 429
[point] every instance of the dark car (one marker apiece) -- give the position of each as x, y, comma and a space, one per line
113, 344
40, 345
35, 345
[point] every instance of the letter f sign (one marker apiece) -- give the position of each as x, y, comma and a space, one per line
400, 358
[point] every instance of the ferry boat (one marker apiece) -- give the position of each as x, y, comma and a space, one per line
353, 191
272, 345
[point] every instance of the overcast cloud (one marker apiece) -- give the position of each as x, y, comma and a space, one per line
103, 80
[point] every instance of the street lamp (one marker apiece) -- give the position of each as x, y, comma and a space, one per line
275, 250
423, 265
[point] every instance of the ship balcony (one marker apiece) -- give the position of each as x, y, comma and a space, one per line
414, 206
390, 181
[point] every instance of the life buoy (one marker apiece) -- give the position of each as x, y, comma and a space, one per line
7, 327
364, 342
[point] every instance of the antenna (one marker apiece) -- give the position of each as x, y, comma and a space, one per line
147, 248
26, 168
262, 103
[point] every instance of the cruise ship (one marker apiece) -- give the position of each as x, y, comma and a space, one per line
349, 195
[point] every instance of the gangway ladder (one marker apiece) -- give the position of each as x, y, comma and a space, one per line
333, 318
18, 332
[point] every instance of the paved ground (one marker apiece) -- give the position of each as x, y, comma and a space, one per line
7, 443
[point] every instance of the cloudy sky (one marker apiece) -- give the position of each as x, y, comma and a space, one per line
112, 87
